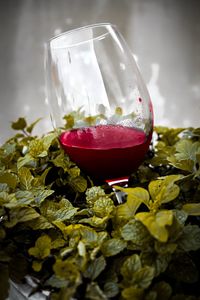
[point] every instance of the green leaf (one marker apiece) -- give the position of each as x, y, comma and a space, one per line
94, 292
95, 268
164, 190
144, 276
30, 128
89, 236
61, 211
56, 282
132, 293
135, 196
156, 223
20, 215
96, 222
40, 223
42, 247
67, 270
9, 178
93, 193
137, 233
62, 161
58, 243
37, 149
111, 289
20, 124
190, 238
25, 178
41, 194
112, 247
79, 184
192, 209
131, 265
4, 187
37, 265
185, 157
27, 160
103, 207
163, 290
158, 261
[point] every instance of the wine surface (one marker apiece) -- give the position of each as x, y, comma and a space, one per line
106, 151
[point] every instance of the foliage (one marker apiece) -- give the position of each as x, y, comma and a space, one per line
74, 240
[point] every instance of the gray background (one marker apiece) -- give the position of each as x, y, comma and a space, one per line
163, 34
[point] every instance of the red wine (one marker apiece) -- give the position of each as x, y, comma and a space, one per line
106, 151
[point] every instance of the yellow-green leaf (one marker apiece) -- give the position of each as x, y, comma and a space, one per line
37, 265
156, 223
42, 247
9, 178
20, 124
133, 293
135, 196
25, 178
192, 209
112, 247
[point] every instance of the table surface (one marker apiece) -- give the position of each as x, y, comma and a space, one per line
164, 36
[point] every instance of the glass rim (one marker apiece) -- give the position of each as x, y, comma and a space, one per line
94, 25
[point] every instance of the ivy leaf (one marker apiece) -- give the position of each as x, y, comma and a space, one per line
20, 124
112, 247
42, 247
95, 268
156, 223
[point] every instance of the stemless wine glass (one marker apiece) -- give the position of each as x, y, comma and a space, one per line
95, 88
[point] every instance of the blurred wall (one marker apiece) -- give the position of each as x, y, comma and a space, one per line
163, 34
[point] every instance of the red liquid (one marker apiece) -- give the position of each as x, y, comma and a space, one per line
106, 151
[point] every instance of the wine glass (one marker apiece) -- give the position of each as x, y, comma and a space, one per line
99, 100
